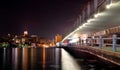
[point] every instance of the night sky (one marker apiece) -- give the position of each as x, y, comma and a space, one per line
45, 18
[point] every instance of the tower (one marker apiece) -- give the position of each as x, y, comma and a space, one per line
25, 31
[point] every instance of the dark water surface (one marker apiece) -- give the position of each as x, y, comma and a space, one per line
49, 59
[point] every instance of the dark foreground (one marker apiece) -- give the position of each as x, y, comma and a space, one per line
50, 59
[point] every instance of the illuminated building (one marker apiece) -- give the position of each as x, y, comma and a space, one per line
25, 33
58, 38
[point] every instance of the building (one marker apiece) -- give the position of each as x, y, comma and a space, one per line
58, 38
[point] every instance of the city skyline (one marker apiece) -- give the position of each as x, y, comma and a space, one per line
43, 18
60, 35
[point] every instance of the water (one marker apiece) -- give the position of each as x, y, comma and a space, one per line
49, 59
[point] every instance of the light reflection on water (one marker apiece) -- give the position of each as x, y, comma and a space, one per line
30, 59
44, 58
24, 59
4, 58
47, 59
68, 62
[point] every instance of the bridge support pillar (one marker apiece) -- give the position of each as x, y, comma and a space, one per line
92, 41
100, 41
114, 42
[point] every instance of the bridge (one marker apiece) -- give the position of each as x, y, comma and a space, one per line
97, 30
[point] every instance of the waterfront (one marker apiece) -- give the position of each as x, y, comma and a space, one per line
49, 59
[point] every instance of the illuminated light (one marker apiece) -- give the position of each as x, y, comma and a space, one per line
84, 24
16, 36
77, 29
57, 44
99, 15
75, 36
17, 41
25, 33
8, 34
111, 5
84, 36
13, 39
96, 15
45, 45
51, 44
80, 27
108, 6
74, 40
89, 20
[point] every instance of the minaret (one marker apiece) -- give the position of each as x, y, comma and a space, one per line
26, 31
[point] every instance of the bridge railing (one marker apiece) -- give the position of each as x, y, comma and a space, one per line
112, 43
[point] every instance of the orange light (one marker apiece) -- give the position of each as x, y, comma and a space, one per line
44, 45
